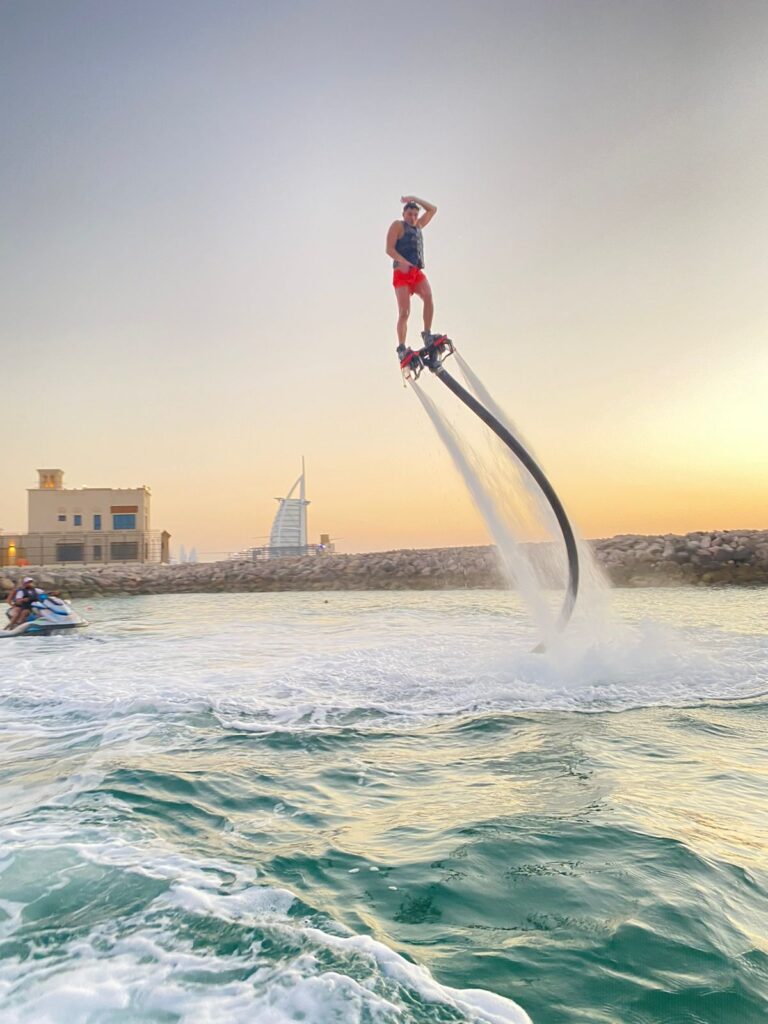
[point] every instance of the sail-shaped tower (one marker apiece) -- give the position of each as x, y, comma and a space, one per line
289, 529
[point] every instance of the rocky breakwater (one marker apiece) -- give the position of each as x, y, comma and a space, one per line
719, 557
430, 569
704, 558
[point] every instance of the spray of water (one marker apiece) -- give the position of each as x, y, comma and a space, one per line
518, 569
527, 510
516, 511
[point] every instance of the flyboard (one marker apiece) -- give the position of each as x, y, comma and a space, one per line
431, 358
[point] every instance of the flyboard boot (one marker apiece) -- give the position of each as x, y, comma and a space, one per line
410, 362
436, 348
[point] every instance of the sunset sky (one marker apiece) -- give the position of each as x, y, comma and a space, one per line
194, 198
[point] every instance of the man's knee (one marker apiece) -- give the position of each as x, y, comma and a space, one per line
403, 315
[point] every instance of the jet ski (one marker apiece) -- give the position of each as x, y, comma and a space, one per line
49, 615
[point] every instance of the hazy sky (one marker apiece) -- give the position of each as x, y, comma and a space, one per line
194, 198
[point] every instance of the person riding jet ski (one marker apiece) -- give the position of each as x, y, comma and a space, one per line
33, 612
21, 599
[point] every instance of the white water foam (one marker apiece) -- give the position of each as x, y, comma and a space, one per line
293, 662
143, 963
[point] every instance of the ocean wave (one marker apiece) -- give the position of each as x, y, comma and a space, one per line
213, 943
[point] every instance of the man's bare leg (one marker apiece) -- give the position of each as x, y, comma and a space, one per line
403, 311
425, 294
17, 616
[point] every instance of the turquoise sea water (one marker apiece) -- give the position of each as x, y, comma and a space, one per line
381, 808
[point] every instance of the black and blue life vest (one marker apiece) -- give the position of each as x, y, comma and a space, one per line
25, 595
411, 245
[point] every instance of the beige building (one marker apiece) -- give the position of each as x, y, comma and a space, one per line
84, 524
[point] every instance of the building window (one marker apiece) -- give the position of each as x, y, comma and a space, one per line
97, 551
62, 518
124, 551
78, 520
97, 520
69, 552
124, 521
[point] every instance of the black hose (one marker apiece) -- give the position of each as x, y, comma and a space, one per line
538, 475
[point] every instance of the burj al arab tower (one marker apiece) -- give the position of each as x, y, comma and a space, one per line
289, 529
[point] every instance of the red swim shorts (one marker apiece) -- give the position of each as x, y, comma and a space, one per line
408, 279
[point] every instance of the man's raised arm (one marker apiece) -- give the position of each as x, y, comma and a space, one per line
428, 208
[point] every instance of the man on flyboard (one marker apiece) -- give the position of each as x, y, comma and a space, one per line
405, 247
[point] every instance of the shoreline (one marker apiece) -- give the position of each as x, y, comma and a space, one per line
715, 558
